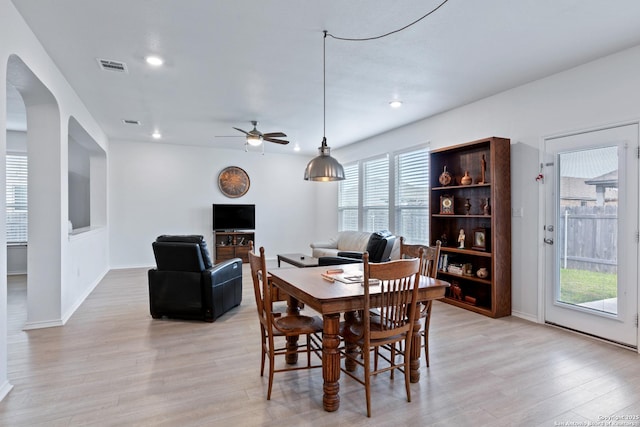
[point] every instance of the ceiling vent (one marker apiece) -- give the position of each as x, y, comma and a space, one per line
109, 65
130, 122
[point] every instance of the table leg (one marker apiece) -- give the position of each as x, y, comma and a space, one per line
351, 349
331, 362
293, 308
416, 342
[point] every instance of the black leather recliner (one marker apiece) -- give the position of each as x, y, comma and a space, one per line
185, 284
379, 247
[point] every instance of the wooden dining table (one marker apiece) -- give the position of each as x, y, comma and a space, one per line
331, 299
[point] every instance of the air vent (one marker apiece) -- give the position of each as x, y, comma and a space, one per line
109, 65
131, 122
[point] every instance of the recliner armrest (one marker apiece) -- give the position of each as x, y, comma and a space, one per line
335, 260
350, 254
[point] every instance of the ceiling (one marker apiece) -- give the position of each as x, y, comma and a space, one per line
230, 62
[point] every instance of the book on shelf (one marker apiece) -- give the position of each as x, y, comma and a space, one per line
455, 269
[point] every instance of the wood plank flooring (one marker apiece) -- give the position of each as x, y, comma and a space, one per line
113, 365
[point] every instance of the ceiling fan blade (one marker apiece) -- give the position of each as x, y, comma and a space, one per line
277, 141
243, 131
274, 134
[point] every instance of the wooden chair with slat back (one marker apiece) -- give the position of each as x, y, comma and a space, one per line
429, 269
386, 320
275, 327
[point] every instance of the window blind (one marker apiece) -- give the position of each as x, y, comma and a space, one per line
16, 199
412, 195
375, 194
348, 199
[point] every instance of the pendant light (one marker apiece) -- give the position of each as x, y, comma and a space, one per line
324, 167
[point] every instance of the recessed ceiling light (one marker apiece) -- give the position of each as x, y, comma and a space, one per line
156, 135
154, 60
296, 147
395, 104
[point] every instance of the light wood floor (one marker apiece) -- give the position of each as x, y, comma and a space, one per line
113, 365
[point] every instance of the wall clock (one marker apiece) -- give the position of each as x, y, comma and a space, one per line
233, 182
446, 205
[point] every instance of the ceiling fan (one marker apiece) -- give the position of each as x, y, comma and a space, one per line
255, 137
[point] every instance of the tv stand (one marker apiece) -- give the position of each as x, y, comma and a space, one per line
232, 244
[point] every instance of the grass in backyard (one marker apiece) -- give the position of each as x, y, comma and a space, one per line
578, 286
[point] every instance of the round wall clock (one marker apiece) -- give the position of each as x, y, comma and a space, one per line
233, 181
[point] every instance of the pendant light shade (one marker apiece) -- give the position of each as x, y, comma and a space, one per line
324, 168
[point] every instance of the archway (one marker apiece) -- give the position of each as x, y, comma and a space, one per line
44, 187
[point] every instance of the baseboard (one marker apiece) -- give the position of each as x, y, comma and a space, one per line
66, 316
44, 324
5, 389
525, 316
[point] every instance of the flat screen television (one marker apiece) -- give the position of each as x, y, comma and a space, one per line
234, 217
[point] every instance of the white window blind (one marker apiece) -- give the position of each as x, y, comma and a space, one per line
412, 196
375, 194
16, 198
387, 192
348, 199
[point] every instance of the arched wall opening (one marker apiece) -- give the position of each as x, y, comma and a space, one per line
44, 196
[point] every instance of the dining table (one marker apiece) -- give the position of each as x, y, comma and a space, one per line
332, 298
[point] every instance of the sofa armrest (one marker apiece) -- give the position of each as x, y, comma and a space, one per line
329, 245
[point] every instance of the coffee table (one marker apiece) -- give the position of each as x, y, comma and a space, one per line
299, 260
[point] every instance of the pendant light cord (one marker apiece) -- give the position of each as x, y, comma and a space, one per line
324, 88
386, 34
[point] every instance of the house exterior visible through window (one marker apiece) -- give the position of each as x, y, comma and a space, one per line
387, 192
16, 199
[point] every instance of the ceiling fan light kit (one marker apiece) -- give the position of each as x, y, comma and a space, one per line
254, 137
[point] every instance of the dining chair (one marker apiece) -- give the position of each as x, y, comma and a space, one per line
395, 286
275, 329
429, 268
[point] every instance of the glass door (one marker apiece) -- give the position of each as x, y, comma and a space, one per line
591, 232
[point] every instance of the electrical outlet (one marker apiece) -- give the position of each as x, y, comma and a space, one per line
517, 212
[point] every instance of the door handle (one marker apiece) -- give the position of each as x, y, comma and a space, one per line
548, 241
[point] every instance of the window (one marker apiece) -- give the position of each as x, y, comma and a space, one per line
348, 199
388, 192
16, 193
412, 196
375, 194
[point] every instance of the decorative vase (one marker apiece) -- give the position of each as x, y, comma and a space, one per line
467, 206
486, 209
466, 179
482, 273
445, 178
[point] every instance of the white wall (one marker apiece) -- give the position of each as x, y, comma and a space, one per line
158, 188
18, 41
598, 93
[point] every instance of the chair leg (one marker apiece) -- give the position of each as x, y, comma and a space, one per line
426, 347
367, 379
407, 369
272, 364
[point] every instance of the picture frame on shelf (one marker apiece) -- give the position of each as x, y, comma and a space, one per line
480, 239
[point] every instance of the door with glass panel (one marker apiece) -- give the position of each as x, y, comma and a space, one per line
591, 232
